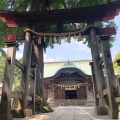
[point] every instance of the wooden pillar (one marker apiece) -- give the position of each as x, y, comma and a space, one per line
5, 106
25, 76
86, 85
37, 62
101, 109
41, 67
33, 89
110, 77
55, 91
94, 87
40, 72
117, 100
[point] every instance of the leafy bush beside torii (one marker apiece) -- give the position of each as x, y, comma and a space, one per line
115, 64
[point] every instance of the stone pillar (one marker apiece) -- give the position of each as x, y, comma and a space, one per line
5, 106
110, 77
101, 109
25, 76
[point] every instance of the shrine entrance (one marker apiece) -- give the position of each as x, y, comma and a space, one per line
32, 67
71, 94
70, 82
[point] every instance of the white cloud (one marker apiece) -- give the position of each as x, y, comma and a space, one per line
48, 59
19, 55
82, 47
57, 58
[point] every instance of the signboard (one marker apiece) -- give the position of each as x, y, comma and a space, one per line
71, 88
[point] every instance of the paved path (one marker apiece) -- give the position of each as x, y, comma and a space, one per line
69, 113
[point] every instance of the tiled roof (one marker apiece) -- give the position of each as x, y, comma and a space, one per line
51, 68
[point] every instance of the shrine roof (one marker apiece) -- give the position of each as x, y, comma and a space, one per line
51, 68
75, 15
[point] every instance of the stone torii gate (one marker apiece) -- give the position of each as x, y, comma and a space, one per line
104, 91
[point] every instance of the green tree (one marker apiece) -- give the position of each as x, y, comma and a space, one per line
40, 5
115, 64
2, 66
16, 82
17, 72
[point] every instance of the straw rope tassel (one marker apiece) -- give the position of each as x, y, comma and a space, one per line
68, 39
39, 40
59, 40
55, 39
50, 41
59, 34
79, 37
44, 38
74, 37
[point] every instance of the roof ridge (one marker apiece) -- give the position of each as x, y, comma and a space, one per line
66, 61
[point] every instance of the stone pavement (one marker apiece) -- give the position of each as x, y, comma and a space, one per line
68, 113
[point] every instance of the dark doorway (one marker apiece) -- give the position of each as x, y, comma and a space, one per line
71, 94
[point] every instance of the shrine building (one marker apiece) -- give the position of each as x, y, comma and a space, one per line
68, 83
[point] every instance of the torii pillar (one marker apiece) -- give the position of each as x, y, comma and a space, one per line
25, 77
110, 77
99, 77
5, 106
94, 87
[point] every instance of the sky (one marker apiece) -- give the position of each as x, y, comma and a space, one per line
75, 50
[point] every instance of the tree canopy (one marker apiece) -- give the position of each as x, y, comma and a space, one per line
2, 67
40, 5
36, 5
